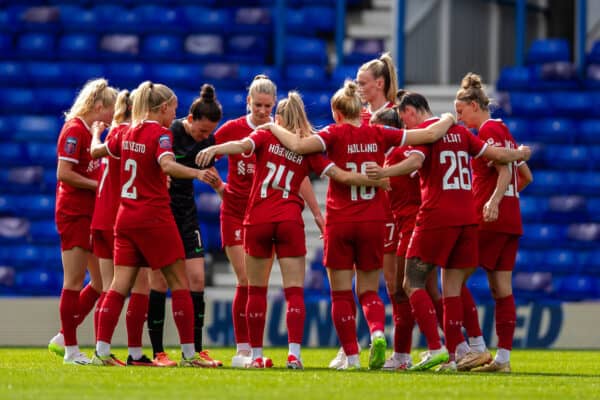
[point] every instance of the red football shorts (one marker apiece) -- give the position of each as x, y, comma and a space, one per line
349, 244
450, 247
391, 237
156, 247
232, 230
103, 241
405, 225
286, 237
75, 232
497, 250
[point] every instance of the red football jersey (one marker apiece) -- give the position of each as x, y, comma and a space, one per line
241, 167
366, 114
405, 196
485, 176
353, 148
445, 178
145, 200
279, 172
108, 193
74, 146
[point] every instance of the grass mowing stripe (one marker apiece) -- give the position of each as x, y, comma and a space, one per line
27, 373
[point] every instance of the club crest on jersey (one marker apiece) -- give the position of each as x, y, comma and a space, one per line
164, 141
70, 145
491, 141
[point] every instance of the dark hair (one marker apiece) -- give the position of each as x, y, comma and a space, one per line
388, 117
207, 105
416, 100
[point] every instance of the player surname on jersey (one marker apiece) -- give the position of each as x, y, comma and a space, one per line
451, 138
134, 146
283, 152
362, 148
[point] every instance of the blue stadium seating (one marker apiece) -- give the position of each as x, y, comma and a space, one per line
120, 46
589, 131
587, 183
593, 56
159, 19
305, 50
13, 231
36, 206
208, 205
560, 261
247, 49
565, 209
49, 181
21, 179
115, 18
519, 128
43, 154
247, 72
307, 76
37, 18
162, 47
17, 100
211, 235
576, 287
47, 74
6, 128
320, 18
176, 75
343, 72
251, 20
37, 128
38, 281
126, 75
78, 46
36, 46
13, 74
554, 130
572, 157
363, 50
572, 104
317, 104
205, 20
79, 19
13, 154
548, 50
592, 74
543, 235
6, 45
533, 207
44, 232
54, 101
514, 78
530, 104
204, 47
584, 235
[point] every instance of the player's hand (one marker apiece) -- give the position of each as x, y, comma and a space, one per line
490, 211
266, 126
385, 184
374, 171
98, 127
526, 150
449, 115
205, 157
320, 221
211, 176
168, 181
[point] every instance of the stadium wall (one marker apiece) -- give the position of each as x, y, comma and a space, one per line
33, 321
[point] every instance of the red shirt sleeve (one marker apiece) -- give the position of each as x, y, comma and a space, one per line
70, 145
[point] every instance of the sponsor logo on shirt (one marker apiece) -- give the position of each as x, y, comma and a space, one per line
70, 145
164, 141
238, 234
491, 141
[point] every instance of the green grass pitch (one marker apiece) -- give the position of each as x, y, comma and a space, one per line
34, 373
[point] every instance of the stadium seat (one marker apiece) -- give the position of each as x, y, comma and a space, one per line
38, 281
13, 154
8, 205
554, 130
584, 235
566, 209
532, 285
54, 101
6, 128
211, 235
247, 72
234, 102
343, 72
43, 154
78, 46
589, 131
155, 18
542, 235
513, 78
18, 101
593, 56
120, 46
79, 73
360, 51
576, 288
530, 105
254, 20
176, 75
47, 74
305, 50
222, 75
592, 74
590, 263
6, 45
126, 75
571, 157
533, 207
548, 50
586, 183
529, 261
519, 128
162, 47
205, 20
13, 231
572, 104
479, 286
44, 232
114, 18
37, 18
320, 17
305, 77
37, 128
560, 261
78, 19
36, 206
554, 76
204, 47
317, 104
9, 20
209, 205
593, 205
247, 49
36, 46
49, 181
21, 179
25, 256
13, 74
296, 23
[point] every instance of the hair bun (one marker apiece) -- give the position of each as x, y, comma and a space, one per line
207, 93
260, 76
471, 81
350, 88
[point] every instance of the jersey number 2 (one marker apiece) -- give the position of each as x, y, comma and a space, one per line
129, 191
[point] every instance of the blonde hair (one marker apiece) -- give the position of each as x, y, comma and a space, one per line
262, 84
122, 108
347, 101
383, 67
149, 97
472, 89
92, 92
293, 116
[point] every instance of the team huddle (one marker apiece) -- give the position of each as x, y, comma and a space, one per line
408, 193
